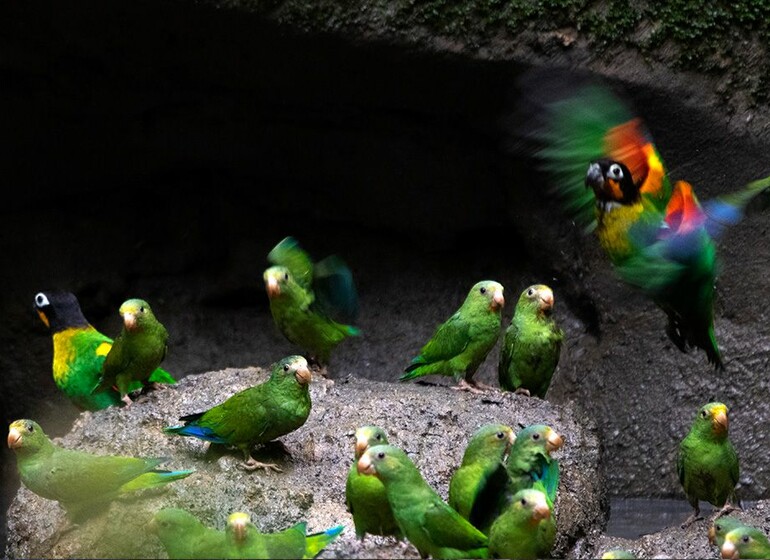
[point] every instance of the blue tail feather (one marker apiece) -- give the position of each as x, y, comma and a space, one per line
194, 430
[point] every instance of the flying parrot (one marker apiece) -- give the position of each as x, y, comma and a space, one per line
525, 530
184, 536
532, 344
427, 521
365, 495
745, 542
707, 463
604, 165
79, 351
244, 540
256, 415
462, 342
720, 527
310, 302
137, 351
76, 479
482, 475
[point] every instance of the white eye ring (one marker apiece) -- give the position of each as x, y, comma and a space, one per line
615, 171
41, 300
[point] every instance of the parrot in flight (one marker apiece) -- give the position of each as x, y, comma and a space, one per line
79, 351
311, 302
602, 163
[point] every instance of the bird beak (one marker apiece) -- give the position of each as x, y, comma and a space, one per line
14, 438
498, 301
365, 465
721, 423
273, 289
362, 444
712, 535
44, 318
546, 300
303, 375
553, 441
511, 438
594, 177
541, 511
729, 550
129, 320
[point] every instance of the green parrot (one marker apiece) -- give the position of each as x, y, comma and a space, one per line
427, 521
137, 351
365, 495
244, 540
601, 161
256, 415
532, 344
618, 554
474, 486
745, 542
79, 351
462, 342
720, 527
525, 530
707, 463
309, 300
76, 479
184, 536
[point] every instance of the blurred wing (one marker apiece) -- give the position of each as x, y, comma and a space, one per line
335, 290
288, 253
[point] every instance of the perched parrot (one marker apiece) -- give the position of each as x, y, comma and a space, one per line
745, 542
365, 495
525, 530
618, 554
309, 300
76, 479
720, 527
462, 342
137, 351
79, 351
532, 344
184, 536
529, 465
244, 540
256, 415
707, 463
657, 235
474, 486
426, 520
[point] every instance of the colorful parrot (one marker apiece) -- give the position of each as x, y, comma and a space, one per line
427, 521
720, 527
137, 351
256, 415
707, 463
474, 486
309, 300
365, 496
532, 344
244, 540
745, 542
526, 530
462, 342
76, 479
184, 536
659, 238
79, 351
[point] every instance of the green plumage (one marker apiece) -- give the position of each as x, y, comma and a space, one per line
244, 540
184, 536
532, 344
365, 495
462, 342
526, 530
137, 351
746, 542
258, 414
309, 301
429, 523
482, 476
707, 463
618, 554
76, 479
720, 527
79, 351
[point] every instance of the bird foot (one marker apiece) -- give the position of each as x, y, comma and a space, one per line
252, 465
727, 508
522, 391
126, 399
463, 385
690, 520
154, 385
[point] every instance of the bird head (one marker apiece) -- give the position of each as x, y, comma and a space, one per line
368, 436
276, 278
26, 436
540, 297
611, 181
490, 292
238, 523
134, 312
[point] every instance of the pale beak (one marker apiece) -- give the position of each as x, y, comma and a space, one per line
303, 375
365, 465
546, 300
729, 550
498, 301
553, 441
273, 289
362, 444
712, 535
14, 438
239, 529
541, 511
722, 423
511, 438
129, 320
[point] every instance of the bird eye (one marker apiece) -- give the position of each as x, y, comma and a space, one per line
379, 437
483, 290
746, 538
704, 413
500, 435
30, 427
381, 455
615, 171
41, 300
286, 367
523, 501
141, 309
530, 292
535, 436
286, 276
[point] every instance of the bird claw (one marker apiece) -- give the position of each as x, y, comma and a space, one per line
252, 465
126, 399
522, 391
463, 385
690, 520
727, 508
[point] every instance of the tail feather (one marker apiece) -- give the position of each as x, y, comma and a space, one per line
548, 481
413, 370
316, 542
152, 479
160, 375
193, 430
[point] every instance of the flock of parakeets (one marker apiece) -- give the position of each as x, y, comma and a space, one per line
659, 238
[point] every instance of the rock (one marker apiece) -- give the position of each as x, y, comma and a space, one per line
431, 422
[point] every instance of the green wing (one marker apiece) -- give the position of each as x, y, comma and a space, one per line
288, 253
450, 339
448, 529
